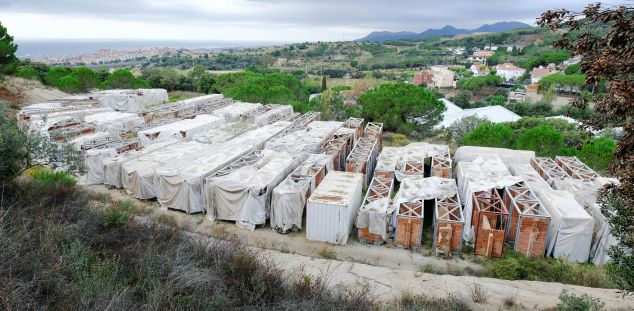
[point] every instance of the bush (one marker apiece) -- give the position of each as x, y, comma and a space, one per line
52, 178
119, 213
28, 73
544, 140
87, 78
598, 153
490, 135
123, 79
69, 84
572, 302
54, 75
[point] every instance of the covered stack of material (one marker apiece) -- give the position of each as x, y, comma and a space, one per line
362, 158
356, 124
78, 141
570, 232
257, 138
305, 141
138, 175
273, 114
289, 198
339, 147
183, 129
179, 183
241, 192
114, 122
528, 220
508, 156
407, 160
223, 133
94, 164
113, 167
234, 112
448, 225
79, 114
332, 208
131, 100
482, 174
47, 125
409, 204
490, 222
376, 211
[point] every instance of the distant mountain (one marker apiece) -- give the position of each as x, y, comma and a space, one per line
445, 31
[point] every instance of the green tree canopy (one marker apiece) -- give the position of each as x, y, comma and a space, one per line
123, 79
8, 61
54, 75
87, 78
545, 140
562, 80
401, 107
475, 83
330, 104
28, 73
270, 88
572, 69
69, 84
598, 153
488, 134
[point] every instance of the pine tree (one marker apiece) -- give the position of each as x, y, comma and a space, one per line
8, 61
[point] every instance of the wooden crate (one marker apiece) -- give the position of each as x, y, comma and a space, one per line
409, 225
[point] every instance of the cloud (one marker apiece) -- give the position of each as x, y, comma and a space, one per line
262, 20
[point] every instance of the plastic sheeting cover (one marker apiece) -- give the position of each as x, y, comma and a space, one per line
308, 140
137, 175
244, 195
233, 112
570, 231
179, 183
114, 122
80, 140
131, 100
223, 133
508, 156
392, 159
183, 129
258, 137
289, 198
94, 163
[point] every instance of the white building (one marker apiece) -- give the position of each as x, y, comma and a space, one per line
509, 71
538, 73
495, 114
442, 76
479, 69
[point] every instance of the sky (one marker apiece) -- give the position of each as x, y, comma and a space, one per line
256, 20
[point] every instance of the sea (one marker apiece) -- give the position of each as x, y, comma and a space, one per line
38, 49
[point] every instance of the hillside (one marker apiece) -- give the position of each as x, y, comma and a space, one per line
445, 31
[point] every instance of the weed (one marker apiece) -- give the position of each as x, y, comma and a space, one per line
454, 269
431, 268
478, 294
327, 253
510, 300
572, 302
118, 213
409, 301
53, 178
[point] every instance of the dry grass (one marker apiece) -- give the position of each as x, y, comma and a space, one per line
478, 293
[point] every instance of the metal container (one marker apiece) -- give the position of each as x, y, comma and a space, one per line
332, 208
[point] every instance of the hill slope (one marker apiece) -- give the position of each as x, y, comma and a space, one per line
445, 31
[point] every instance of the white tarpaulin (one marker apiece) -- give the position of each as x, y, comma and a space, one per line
80, 140
392, 159
244, 195
183, 129
258, 137
131, 100
80, 114
179, 183
482, 174
94, 164
271, 115
508, 156
305, 141
289, 198
233, 112
114, 122
137, 176
223, 133
112, 166
49, 124
570, 231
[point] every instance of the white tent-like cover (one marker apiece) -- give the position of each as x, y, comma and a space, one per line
482, 174
270, 116
94, 164
179, 183
137, 176
113, 166
244, 194
114, 122
305, 141
495, 114
183, 129
258, 137
131, 100
289, 197
80, 114
234, 112
223, 133
508, 156
570, 231
80, 140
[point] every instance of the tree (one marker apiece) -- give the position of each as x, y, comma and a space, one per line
87, 78
607, 59
463, 99
597, 153
573, 69
401, 107
545, 140
323, 83
123, 79
69, 84
8, 61
330, 104
479, 82
28, 73
54, 75
488, 134
457, 131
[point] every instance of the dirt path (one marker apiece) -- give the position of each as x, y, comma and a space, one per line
387, 271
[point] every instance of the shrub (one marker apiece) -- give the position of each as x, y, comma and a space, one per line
54, 75
478, 294
490, 135
52, 178
572, 302
118, 213
123, 79
544, 140
598, 153
28, 73
69, 84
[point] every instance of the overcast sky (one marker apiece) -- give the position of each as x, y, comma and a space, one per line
256, 20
